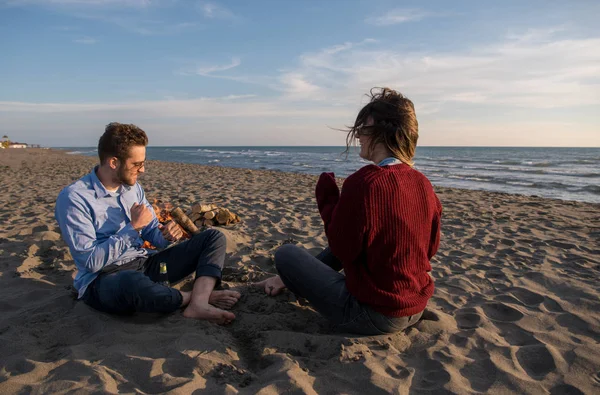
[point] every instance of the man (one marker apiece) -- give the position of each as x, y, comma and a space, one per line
104, 218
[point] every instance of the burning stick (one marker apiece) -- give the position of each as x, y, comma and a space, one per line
184, 221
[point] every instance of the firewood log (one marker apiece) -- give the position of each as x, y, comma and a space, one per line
195, 216
222, 216
209, 215
184, 221
201, 208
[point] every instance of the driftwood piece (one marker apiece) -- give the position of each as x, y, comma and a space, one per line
184, 221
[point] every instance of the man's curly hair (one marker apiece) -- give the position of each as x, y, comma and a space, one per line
117, 140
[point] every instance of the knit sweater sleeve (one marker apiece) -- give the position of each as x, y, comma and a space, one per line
346, 220
434, 241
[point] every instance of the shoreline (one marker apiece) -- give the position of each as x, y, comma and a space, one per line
60, 150
516, 306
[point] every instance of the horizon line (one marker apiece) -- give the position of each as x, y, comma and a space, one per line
343, 146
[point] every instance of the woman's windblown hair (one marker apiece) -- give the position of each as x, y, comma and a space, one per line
394, 124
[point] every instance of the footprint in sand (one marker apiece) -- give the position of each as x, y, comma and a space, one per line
19, 366
536, 360
467, 319
565, 389
526, 296
502, 312
516, 336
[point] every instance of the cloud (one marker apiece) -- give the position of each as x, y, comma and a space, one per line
230, 106
85, 40
215, 11
207, 70
399, 15
297, 87
215, 71
536, 69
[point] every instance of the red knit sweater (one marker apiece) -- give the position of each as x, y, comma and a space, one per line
384, 227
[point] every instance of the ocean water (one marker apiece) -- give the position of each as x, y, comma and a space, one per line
559, 173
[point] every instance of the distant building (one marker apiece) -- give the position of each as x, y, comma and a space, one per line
17, 145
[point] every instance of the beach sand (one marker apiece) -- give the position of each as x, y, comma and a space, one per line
516, 307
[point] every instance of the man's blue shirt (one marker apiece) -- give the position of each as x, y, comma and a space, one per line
96, 225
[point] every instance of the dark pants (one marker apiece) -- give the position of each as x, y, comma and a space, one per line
135, 290
318, 280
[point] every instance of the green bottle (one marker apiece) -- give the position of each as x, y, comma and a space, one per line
163, 277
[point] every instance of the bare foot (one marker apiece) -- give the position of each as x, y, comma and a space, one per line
224, 299
208, 313
272, 285
187, 296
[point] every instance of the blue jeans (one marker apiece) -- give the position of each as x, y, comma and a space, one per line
318, 280
135, 290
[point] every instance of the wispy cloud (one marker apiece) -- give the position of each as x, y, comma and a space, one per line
85, 40
205, 107
215, 11
297, 86
208, 70
399, 15
216, 71
531, 70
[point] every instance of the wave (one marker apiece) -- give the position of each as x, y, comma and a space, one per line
594, 189
521, 183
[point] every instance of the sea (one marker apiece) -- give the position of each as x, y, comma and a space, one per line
557, 173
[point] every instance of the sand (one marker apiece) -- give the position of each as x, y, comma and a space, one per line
516, 307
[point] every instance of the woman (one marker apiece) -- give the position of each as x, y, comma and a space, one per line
382, 229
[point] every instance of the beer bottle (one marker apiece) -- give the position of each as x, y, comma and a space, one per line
163, 277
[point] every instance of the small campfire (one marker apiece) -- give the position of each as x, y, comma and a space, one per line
196, 219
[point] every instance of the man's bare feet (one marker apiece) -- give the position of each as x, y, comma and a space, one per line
209, 313
224, 299
187, 296
272, 285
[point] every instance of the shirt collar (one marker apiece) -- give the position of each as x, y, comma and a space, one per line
389, 161
100, 189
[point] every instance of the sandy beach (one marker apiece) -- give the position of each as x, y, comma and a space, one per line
516, 307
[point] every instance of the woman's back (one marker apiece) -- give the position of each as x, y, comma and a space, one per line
397, 214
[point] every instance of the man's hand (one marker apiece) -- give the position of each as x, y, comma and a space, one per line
171, 231
272, 285
141, 216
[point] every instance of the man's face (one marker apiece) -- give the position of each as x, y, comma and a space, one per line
129, 169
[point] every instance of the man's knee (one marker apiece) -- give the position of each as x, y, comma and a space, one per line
213, 237
285, 255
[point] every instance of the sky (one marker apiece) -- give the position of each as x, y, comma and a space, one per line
481, 73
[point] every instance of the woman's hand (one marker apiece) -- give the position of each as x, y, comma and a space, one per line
272, 285
327, 191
